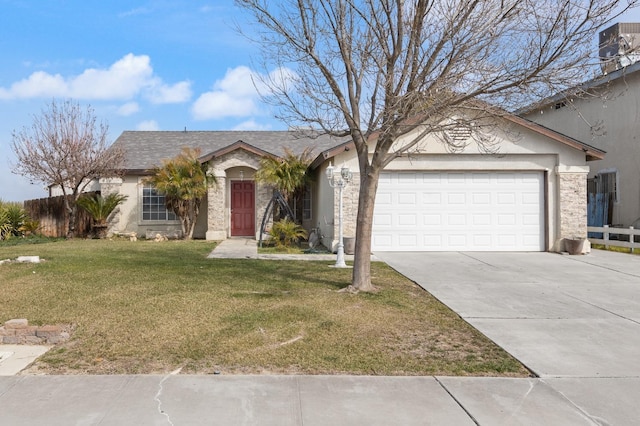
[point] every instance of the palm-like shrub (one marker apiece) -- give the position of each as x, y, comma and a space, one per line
285, 233
29, 227
5, 226
100, 208
12, 219
184, 182
286, 174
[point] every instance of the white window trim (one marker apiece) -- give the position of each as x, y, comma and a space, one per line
144, 221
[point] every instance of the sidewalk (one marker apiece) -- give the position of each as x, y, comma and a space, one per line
284, 400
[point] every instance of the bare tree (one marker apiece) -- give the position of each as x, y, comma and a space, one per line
65, 147
376, 70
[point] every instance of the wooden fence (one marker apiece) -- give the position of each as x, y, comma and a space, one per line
615, 237
51, 214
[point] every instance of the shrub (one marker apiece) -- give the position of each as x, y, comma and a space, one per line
286, 232
100, 208
29, 227
12, 219
5, 226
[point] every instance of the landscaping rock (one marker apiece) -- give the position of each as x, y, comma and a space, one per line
28, 259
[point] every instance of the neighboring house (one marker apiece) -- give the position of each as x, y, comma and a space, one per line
606, 115
527, 197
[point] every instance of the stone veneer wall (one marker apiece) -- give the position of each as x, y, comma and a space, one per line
216, 209
573, 204
217, 195
349, 207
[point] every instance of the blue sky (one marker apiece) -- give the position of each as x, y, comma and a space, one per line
142, 65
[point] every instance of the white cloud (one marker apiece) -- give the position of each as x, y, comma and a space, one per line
124, 80
252, 125
165, 94
148, 125
239, 81
39, 84
213, 105
233, 96
128, 109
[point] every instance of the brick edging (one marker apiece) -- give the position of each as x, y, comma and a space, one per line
19, 332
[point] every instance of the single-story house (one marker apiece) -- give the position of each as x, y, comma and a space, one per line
528, 196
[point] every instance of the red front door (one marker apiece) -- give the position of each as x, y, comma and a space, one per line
243, 212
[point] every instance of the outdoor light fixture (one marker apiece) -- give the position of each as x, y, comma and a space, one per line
339, 181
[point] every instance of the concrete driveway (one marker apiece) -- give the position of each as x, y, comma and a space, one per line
573, 320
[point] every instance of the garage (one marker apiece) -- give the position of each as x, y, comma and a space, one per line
459, 211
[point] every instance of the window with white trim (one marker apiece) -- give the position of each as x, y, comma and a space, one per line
153, 205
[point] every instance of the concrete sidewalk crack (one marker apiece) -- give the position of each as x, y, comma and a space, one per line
299, 400
595, 420
577, 259
159, 394
601, 308
473, 419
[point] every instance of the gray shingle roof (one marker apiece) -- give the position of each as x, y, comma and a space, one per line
146, 149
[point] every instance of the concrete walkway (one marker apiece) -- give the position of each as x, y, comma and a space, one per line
247, 248
235, 248
574, 320
15, 358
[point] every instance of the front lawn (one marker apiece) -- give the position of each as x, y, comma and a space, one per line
147, 307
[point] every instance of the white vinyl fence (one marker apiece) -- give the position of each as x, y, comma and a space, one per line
615, 237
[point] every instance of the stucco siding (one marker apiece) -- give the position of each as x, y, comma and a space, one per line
129, 215
611, 122
564, 169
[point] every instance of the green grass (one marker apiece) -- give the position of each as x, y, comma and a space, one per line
146, 307
615, 248
267, 249
303, 248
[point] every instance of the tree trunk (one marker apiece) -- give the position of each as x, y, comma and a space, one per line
361, 280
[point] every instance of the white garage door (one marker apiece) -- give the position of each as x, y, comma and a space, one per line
459, 211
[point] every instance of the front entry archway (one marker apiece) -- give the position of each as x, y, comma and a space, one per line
243, 209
